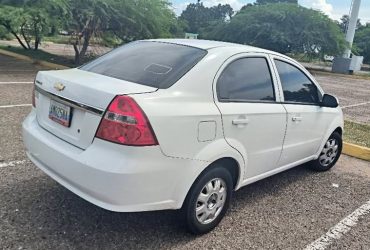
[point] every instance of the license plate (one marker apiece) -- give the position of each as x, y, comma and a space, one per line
60, 113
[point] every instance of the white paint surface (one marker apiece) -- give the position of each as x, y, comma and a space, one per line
11, 163
14, 106
6, 83
355, 105
343, 227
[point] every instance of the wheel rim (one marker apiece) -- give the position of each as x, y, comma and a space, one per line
211, 201
329, 152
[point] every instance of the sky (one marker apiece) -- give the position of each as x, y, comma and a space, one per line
334, 8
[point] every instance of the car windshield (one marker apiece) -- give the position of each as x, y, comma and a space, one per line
155, 64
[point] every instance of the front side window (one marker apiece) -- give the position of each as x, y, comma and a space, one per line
297, 87
246, 79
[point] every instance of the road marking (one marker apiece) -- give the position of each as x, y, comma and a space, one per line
355, 105
17, 70
11, 163
343, 227
5, 83
16, 105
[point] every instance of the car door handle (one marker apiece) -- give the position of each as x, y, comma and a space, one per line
296, 118
240, 121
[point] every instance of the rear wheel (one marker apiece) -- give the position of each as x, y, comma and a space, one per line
329, 154
208, 200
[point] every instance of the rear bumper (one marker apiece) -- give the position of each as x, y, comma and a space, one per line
111, 176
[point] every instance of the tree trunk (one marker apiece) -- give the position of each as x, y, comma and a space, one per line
19, 40
77, 54
37, 37
85, 45
37, 42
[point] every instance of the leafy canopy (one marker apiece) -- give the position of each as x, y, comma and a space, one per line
113, 21
31, 19
362, 42
275, 1
282, 27
198, 17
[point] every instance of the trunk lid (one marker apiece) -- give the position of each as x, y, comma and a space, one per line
86, 95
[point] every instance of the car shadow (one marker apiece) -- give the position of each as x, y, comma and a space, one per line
50, 213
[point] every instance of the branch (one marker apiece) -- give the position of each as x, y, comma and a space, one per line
9, 29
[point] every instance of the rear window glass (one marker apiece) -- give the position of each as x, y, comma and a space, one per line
154, 64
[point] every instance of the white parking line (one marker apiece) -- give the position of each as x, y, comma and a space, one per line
340, 229
5, 83
355, 105
17, 70
14, 106
11, 163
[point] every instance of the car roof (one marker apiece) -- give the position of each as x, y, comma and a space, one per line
208, 44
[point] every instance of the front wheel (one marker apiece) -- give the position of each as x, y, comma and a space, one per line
208, 200
329, 154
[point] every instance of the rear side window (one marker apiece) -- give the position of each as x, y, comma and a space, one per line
154, 64
297, 87
246, 79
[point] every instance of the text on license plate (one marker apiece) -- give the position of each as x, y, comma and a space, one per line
60, 113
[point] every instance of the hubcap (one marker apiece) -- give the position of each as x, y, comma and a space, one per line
210, 201
329, 152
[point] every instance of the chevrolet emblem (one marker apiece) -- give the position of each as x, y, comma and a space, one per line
59, 86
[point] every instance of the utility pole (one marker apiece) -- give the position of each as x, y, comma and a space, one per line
350, 34
348, 64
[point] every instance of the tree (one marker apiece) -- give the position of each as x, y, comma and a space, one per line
344, 21
10, 19
29, 20
362, 42
259, 2
127, 20
286, 28
246, 6
198, 17
88, 17
141, 19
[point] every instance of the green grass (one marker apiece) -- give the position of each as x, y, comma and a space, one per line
41, 55
357, 133
57, 39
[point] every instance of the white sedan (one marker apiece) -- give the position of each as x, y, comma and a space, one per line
179, 124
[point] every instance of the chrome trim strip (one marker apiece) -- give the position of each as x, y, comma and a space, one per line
74, 104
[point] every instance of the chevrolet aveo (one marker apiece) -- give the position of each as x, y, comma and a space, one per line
179, 124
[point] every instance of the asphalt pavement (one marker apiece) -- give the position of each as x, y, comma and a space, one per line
290, 210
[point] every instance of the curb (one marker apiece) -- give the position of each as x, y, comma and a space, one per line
356, 151
356, 75
35, 61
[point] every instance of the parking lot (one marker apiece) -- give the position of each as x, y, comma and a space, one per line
288, 211
353, 94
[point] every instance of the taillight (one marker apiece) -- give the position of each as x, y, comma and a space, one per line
126, 123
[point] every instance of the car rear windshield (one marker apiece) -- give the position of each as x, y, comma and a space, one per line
155, 64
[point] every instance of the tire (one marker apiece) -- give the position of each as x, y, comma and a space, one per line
210, 195
329, 154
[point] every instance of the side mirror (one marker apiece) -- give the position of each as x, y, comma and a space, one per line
329, 101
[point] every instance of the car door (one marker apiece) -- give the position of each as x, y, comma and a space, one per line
307, 121
254, 120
